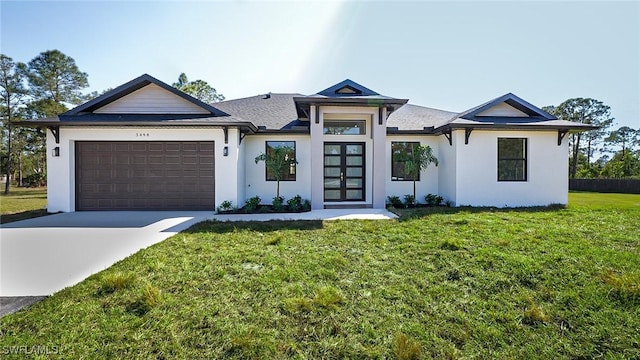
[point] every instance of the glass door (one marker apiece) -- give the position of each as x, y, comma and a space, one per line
344, 172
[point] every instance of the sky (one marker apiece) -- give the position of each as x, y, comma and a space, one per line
446, 55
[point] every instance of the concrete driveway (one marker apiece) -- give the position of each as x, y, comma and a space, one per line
43, 255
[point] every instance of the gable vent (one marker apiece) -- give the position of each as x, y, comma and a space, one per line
348, 90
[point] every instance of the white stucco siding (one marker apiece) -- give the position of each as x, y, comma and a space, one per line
61, 170
447, 167
503, 109
429, 178
476, 171
151, 99
255, 174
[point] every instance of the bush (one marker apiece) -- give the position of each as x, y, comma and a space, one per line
225, 206
306, 205
278, 203
433, 200
295, 203
394, 201
34, 180
409, 200
252, 204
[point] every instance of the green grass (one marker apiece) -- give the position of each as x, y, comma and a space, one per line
443, 283
604, 200
22, 203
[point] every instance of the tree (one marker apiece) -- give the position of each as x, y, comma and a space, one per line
278, 160
55, 78
199, 89
418, 159
625, 161
586, 111
625, 137
13, 94
55, 84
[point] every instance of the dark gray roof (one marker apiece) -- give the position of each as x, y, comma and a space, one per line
518, 123
272, 111
288, 112
139, 120
414, 117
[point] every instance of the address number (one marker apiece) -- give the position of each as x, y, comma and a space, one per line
142, 134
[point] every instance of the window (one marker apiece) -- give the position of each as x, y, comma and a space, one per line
398, 152
512, 159
288, 171
344, 127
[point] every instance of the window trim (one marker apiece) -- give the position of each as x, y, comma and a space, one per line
336, 121
525, 157
266, 171
404, 178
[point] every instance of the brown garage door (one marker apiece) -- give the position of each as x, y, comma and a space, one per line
144, 175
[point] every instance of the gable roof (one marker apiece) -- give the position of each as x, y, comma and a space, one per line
347, 88
533, 112
272, 113
134, 85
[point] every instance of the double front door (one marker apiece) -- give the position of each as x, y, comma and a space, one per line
344, 171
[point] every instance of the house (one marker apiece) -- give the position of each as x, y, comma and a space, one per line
145, 145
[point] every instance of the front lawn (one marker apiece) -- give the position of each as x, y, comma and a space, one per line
611, 200
22, 203
449, 283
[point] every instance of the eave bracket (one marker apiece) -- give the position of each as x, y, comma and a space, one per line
55, 130
447, 134
467, 133
242, 136
561, 135
226, 134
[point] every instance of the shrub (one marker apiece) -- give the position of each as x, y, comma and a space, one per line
225, 206
35, 180
278, 203
433, 200
394, 201
252, 204
409, 200
306, 205
295, 203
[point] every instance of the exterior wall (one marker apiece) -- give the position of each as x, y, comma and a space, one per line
429, 178
476, 171
255, 174
151, 99
317, 159
503, 109
242, 173
447, 167
61, 170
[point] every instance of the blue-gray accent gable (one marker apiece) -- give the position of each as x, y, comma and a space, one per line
535, 113
357, 88
137, 84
